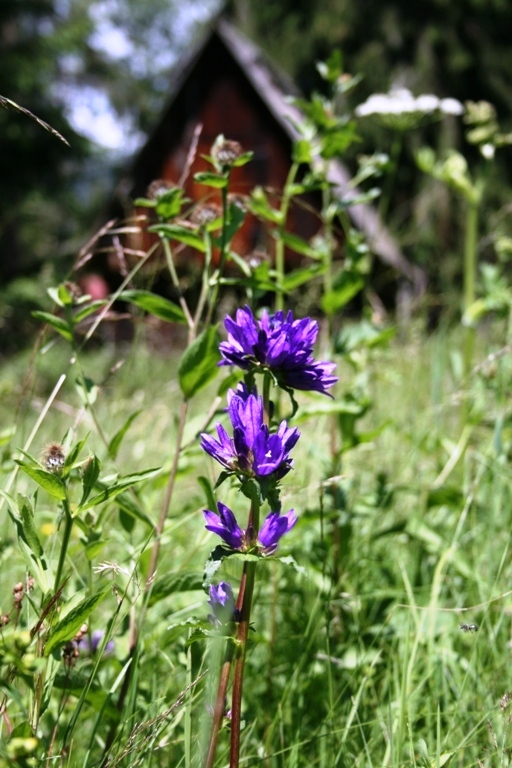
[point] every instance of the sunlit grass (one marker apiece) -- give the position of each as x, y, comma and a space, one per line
360, 659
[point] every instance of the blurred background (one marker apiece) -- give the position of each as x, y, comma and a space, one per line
101, 72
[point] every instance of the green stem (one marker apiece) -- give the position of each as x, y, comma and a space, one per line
68, 525
285, 204
385, 199
175, 280
205, 288
223, 254
470, 265
328, 276
168, 495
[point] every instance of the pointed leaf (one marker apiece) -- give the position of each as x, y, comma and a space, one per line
88, 310
179, 581
243, 159
213, 564
27, 522
87, 390
67, 628
198, 366
155, 305
36, 564
51, 483
210, 179
299, 277
182, 234
121, 485
169, 203
299, 245
348, 287
60, 325
90, 475
129, 507
73, 454
113, 446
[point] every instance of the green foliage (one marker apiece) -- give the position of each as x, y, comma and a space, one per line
355, 651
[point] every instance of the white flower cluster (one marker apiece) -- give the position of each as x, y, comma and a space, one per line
400, 101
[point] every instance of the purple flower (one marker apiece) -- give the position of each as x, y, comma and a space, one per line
224, 525
252, 450
275, 526
280, 344
91, 646
222, 603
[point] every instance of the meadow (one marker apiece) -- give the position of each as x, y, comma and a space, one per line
356, 655
373, 629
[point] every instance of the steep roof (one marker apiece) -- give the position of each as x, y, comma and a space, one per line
273, 87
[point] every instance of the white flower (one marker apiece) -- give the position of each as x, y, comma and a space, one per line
401, 102
451, 107
427, 103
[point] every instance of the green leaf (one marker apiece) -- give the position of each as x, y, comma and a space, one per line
155, 305
61, 295
179, 581
301, 276
182, 234
198, 366
87, 390
213, 564
88, 310
57, 323
445, 495
113, 446
36, 564
243, 159
73, 454
348, 286
67, 628
127, 521
289, 560
121, 485
47, 480
210, 179
474, 313
129, 507
91, 474
93, 548
365, 198
7, 434
236, 217
260, 206
210, 500
144, 202
362, 335
169, 203
302, 152
299, 245
27, 522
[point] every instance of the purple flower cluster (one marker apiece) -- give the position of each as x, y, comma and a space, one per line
224, 524
279, 344
252, 451
222, 603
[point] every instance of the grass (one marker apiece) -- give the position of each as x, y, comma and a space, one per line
357, 661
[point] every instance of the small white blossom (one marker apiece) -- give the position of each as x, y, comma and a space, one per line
427, 103
451, 107
401, 110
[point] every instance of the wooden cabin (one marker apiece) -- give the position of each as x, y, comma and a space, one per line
226, 85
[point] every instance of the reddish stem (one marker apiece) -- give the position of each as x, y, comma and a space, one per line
218, 710
245, 602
